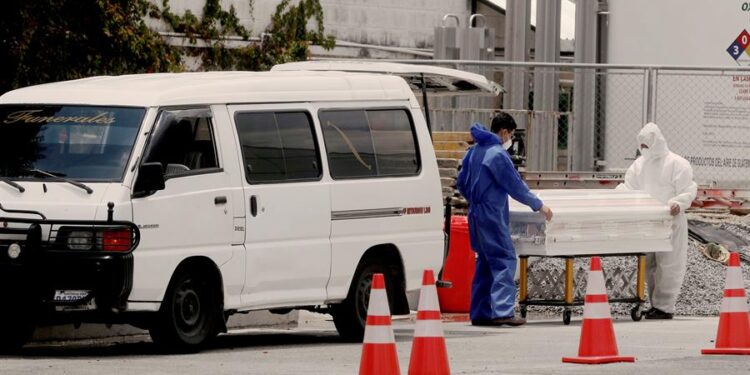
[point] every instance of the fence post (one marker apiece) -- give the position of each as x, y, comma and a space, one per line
654, 79
517, 49
646, 95
584, 101
546, 88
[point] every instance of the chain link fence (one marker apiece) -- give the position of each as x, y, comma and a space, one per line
704, 114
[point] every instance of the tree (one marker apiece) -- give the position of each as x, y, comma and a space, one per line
286, 39
52, 40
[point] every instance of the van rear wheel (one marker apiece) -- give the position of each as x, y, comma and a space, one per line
350, 315
188, 316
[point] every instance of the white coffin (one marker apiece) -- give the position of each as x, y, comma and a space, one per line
589, 222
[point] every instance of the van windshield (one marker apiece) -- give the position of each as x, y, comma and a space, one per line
84, 143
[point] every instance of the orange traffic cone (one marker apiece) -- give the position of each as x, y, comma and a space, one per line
733, 336
379, 345
428, 353
598, 344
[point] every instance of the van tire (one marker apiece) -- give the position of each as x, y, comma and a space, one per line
188, 316
15, 331
350, 315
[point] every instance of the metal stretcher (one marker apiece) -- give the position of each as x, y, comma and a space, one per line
568, 285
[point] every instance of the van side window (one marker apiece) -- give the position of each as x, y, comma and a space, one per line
183, 142
370, 143
278, 146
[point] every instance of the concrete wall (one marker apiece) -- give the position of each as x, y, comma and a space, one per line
389, 22
400, 23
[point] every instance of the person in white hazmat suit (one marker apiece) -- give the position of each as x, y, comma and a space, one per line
668, 178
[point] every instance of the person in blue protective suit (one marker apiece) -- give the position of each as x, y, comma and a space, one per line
486, 179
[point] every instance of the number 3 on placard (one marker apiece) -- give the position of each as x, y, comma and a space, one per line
736, 50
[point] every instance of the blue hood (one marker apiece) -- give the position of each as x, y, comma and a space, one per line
482, 136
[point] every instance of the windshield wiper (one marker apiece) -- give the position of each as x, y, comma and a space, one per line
11, 183
63, 179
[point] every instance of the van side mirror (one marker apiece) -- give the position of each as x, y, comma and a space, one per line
150, 179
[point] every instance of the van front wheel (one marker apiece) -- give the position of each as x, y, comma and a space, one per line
350, 315
15, 330
187, 318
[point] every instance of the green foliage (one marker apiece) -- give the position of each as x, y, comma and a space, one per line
52, 40
286, 39
212, 28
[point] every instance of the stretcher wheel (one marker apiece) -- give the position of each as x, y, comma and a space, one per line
566, 316
523, 312
636, 314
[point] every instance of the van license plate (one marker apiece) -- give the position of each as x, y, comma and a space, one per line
70, 300
70, 295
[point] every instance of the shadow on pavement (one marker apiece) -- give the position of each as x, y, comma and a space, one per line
255, 339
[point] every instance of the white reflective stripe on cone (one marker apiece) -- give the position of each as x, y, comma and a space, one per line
428, 328
428, 300
596, 310
734, 278
734, 304
595, 283
378, 305
379, 335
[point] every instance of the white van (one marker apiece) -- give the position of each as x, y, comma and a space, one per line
171, 201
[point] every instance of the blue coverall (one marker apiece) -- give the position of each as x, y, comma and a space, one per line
486, 179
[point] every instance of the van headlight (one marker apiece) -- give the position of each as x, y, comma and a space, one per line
80, 240
14, 251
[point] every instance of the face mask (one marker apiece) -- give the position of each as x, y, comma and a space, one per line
646, 153
507, 144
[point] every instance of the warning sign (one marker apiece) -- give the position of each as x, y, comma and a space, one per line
739, 48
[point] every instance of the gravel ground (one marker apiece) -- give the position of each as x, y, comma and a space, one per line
701, 292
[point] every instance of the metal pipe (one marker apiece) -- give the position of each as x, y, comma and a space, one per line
652, 93
474, 8
562, 65
523, 279
569, 287
646, 93
641, 290
239, 42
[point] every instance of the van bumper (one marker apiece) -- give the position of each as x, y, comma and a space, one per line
55, 283
40, 276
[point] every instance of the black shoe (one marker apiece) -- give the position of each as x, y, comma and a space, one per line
655, 313
514, 322
498, 322
482, 322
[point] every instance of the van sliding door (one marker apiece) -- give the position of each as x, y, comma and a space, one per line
287, 203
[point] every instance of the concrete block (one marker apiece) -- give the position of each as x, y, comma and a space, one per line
460, 203
450, 154
450, 145
448, 172
451, 136
447, 163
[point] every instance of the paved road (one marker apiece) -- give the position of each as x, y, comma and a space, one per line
661, 347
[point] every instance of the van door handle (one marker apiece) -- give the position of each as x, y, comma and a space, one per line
254, 206
220, 200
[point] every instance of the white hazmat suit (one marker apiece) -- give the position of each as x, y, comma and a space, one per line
668, 178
